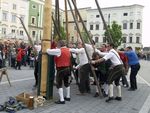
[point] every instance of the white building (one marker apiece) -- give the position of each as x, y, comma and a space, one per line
10, 26
129, 17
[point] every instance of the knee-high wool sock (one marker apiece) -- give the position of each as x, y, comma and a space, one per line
111, 90
119, 91
61, 96
68, 92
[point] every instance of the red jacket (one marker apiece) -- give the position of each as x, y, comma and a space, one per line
64, 59
124, 59
19, 55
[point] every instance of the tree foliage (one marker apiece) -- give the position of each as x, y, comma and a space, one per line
116, 33
84, 36
62, 33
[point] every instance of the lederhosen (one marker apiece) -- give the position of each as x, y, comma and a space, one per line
63, 68
62, 75
84, 71
115, 73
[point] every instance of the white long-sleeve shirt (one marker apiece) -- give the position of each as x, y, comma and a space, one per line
114, 57
82, 56
56, 52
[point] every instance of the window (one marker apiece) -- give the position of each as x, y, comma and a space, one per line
13, 19
4, 16
124, 39
91, 27
104, 40
91, 16
131, 25
33, 6
33, 34
4, 31
131, 13
138, 25
125, 14
124, 25
72, 39
21, 33
138, 13
130, 39
97, 16
96, 39
14, 6
137, 39
33, 20
97, 26
13, 31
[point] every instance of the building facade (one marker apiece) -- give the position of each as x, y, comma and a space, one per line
129, 17
10, 25
35, 23
72, 30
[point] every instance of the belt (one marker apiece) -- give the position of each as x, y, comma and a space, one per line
60, 68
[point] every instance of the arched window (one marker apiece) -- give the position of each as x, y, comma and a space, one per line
96, 39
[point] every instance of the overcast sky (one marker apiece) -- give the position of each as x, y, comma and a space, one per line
110, 3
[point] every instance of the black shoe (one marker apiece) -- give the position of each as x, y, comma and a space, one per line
118, 98
109, 99
105, 95
131, 89
60, 102
89, 91
67, 99
96, 94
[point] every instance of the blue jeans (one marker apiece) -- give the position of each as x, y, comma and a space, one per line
134, 70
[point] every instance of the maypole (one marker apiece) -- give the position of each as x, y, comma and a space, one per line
45, 45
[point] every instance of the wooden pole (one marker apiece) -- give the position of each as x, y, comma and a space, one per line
109, 39
45, 45
78, 29
58, 16
83, 24
66, 15
76, 16
56, 28
29, 38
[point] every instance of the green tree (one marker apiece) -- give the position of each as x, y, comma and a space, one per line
116, 33
62, 33
85, 37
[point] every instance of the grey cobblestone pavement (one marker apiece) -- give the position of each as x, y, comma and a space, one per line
132, 101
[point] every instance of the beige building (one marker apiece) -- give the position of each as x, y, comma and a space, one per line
72, 30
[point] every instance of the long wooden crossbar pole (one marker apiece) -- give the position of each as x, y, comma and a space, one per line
110, 40
29, 38
83, 24
56, 28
